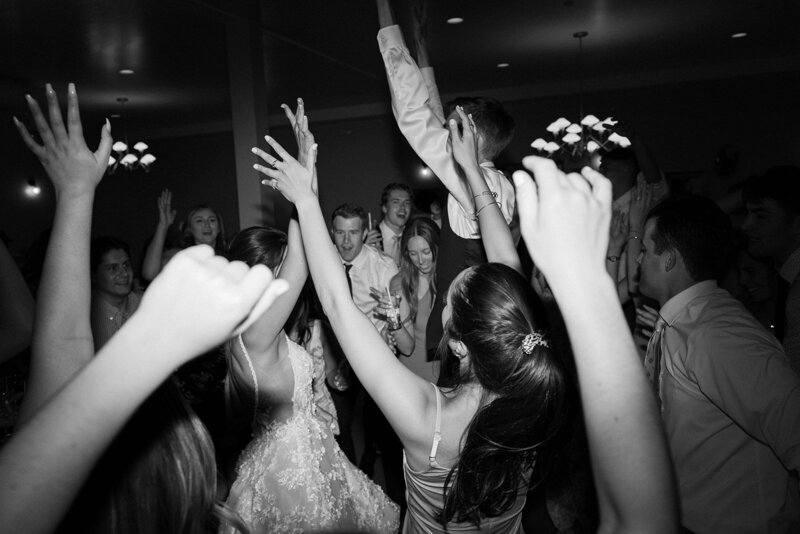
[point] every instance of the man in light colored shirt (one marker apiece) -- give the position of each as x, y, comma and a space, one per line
396, 203
772, 227
369, 267
730, 402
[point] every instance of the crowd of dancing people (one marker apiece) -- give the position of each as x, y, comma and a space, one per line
553, 351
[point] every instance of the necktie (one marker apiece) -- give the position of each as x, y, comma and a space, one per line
347, 267
781, 294
653, 358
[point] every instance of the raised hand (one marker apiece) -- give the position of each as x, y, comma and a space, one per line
464, 140
166, 215
639, 206
564, 219
299, 122
72, 167
288, 176
618, 233
206, 299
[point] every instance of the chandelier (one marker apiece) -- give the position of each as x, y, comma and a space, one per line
129, 159
574, 143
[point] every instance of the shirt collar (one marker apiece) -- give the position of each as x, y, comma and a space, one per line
791, 267
677, 304
359, 260
386, 229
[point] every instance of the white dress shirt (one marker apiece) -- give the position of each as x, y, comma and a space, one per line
371, 268
731, 410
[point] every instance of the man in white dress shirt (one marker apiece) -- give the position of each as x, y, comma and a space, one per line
730, 401
396, 204
366, 266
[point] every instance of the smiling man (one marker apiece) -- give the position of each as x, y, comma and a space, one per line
113, 298
366, 266
396, 202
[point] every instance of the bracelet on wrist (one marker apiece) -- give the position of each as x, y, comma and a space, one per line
486, 206
487, 193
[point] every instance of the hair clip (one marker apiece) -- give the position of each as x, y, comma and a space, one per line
533, 339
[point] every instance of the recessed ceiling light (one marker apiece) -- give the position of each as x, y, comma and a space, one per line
502, 65
455, 20
115, 115
738, 35
126, 71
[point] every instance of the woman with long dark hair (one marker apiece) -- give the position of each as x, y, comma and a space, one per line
469, 448
415, 283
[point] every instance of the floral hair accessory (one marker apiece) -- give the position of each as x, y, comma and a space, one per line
532, 340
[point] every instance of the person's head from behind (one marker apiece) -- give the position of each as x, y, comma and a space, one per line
396, 202
203, 226
772, 225
349, 228
110, 262
495, 127
493, 331
686, 240
419, 246
620, 166
259, 245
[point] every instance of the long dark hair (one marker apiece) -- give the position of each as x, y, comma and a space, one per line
259, 245
188, 239
409, 275
492, 313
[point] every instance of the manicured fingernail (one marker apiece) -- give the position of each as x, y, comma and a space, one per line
16, 121
263, 182
49, 88
268, 138
29, 98
254, 150
108, 125
71, 89
255, 166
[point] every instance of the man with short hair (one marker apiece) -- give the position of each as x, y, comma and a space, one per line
730, 402
366, 267
396, 202
772, 227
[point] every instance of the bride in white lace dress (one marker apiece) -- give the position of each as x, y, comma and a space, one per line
292, 476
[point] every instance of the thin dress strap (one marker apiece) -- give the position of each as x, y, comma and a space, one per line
253, 375
437, 430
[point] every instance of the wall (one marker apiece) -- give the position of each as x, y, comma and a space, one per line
684, 124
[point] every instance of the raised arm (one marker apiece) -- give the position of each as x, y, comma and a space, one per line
62, 340
197, 301
400, 394
565, 224
152, 257
419, 122
16, 308
496, 234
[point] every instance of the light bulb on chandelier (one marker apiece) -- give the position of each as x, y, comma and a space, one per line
138, 158
574, 143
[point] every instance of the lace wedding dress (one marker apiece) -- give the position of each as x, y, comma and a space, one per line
293, 477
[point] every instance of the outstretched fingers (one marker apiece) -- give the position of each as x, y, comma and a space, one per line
39, 121
74, 115
27, 138
56, 121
